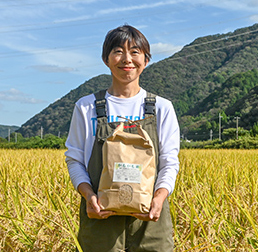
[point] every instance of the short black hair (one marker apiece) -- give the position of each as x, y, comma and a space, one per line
118, 36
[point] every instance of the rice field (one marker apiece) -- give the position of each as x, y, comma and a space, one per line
214, 206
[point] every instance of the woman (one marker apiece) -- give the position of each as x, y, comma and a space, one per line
126, 52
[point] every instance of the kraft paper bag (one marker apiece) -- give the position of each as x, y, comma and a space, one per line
128, 175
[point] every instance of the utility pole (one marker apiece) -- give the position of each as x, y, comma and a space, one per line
220, 126
9, 135
237, 126
41, 132
211, 134
15, 137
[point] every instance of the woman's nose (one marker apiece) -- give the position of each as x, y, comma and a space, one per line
127, 58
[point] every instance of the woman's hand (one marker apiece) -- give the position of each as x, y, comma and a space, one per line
156, 206
93, 209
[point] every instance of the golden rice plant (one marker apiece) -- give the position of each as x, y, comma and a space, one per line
38, 205
214, 205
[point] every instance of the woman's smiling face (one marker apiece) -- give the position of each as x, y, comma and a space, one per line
126, 63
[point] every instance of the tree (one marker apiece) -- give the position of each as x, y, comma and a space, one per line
224, 118
16, 137
231, 133
254, 130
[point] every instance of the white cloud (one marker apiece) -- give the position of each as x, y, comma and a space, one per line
80, 18
136, 7
254, 18
62, 60
19, 13
234, 5
56, 82
140, 27
18, 96
65, 61
37, 14
246, 5
165, 49
251, 3
107, 11
53, 69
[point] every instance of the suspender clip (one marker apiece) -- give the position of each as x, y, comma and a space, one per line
101, 108
149, 107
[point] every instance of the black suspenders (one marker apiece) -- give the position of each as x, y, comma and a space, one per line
100, 102
149, 104
101, 106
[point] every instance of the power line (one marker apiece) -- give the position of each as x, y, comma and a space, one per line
210, 24
49, 25
207, 51
97, 65
226, 37
170, 59
38, 3
45, 51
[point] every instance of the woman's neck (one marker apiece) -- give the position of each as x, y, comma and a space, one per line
124, 91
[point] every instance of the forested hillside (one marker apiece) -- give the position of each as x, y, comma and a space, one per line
55, 119
214, 74
6, 130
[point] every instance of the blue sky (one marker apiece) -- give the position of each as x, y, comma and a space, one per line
48, 48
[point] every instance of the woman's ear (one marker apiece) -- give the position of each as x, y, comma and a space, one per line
146, 61
106, 63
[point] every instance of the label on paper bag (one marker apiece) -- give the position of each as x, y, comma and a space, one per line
130, 173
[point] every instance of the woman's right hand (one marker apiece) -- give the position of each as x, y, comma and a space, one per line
93, 209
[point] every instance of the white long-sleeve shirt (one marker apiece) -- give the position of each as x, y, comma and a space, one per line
83, 129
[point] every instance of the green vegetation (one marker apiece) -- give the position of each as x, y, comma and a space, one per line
243, 143
237, 97
244, 139
17, 141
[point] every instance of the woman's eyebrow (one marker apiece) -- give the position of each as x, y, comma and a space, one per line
118, 46
132, 47
135, 47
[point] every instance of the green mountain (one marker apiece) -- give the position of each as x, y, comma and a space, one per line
247, 107
4, 130
55, 119
237, 97
213, 74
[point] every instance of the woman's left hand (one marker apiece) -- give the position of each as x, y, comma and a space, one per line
156, 206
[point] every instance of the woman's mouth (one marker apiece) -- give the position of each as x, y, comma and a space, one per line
127, 68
